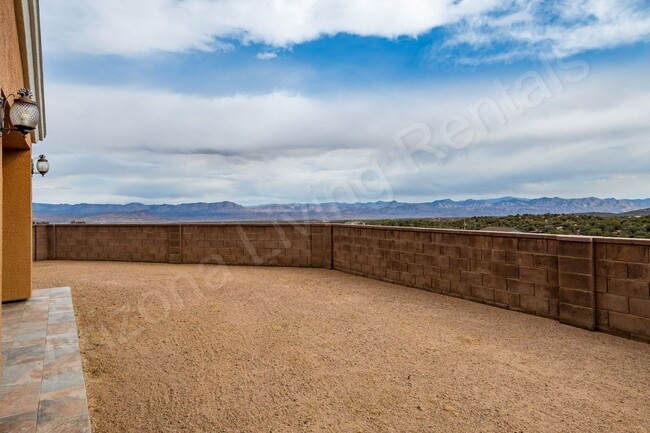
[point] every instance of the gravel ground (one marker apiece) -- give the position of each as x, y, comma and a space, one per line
189, 348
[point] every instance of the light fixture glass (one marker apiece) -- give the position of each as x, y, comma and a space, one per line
42, 165
24, 113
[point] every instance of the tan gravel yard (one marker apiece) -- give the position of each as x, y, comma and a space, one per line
194, 348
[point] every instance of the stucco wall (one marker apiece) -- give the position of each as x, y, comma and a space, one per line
16, 161
17, 225
11, 71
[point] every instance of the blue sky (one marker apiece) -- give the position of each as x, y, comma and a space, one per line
167, 101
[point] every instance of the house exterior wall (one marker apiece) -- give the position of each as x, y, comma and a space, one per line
20, 51
592, 283
11, 69
16, 225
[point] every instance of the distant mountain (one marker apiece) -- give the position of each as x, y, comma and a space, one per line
229, 211
141, 217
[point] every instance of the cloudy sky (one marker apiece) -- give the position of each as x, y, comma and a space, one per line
260, 101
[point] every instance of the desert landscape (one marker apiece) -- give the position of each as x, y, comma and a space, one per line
170, 348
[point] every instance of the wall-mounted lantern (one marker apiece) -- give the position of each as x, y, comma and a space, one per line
24, 113
41, 166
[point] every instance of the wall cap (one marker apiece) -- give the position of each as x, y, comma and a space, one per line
569, 238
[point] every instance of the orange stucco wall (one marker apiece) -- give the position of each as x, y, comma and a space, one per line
1, 243
15, 173
11, 71
16, 227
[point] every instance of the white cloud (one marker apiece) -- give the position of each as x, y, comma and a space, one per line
120, 144
269, 55
127, 27
525, 28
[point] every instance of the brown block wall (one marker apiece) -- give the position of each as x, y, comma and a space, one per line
301, 245
40, 242
137, 243
622, 272
577, 282
262, 244
321, 246
43, 242
592, 283
519, 272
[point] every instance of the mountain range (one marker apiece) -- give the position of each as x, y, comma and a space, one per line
228, 211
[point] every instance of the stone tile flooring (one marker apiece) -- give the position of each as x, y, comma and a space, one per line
42, 388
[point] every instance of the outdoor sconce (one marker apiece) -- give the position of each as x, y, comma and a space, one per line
24, 113
42, 166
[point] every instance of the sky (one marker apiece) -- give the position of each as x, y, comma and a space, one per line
281, 101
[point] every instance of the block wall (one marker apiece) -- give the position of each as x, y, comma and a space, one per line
300, 245
40, 242
593, 283
577, 295
263, 245
623, 287
137, 243
517, 272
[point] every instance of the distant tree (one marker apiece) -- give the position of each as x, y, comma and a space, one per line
589, 225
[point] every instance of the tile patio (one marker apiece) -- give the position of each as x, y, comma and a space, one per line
42, 388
